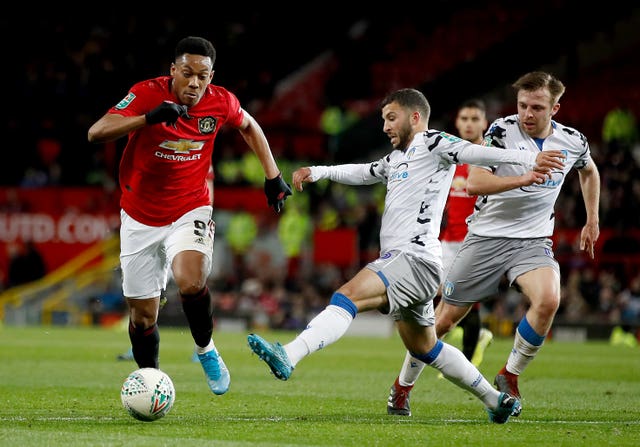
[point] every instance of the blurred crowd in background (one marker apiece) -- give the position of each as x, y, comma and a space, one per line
314, 85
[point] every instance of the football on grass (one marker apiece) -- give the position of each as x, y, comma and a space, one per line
148, 394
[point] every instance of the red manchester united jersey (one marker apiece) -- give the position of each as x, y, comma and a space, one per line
459, 207
163, 167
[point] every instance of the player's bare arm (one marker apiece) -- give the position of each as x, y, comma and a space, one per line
590, 186
113, 126
482, 182
300, 176
254, 137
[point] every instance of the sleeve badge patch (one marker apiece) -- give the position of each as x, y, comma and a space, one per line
126, 101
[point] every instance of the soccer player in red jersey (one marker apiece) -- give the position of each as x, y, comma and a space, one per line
166, 210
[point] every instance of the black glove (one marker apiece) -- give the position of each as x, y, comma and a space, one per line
276, 191
167, 112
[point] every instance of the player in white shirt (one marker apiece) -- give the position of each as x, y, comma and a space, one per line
471, 124
509, 232
405, 278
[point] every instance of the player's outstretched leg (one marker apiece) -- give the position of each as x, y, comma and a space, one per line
273, 354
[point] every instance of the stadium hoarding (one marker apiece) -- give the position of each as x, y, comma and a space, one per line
59, 222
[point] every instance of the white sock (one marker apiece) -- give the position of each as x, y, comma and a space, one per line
210, 347
326, 327
455, 367
411, 370
521, 354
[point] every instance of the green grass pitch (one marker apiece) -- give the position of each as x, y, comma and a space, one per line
60, 387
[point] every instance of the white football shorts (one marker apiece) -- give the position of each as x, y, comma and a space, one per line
146, 252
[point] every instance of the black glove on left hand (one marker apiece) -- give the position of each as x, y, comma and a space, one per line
276, 190
168, 111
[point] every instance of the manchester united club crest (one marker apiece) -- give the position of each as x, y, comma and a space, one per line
207, 124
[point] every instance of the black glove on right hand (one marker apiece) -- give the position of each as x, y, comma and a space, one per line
276, 190
167, 112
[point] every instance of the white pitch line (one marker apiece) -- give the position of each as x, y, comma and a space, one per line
296, 419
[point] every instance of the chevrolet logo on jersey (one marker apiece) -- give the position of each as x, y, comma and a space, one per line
182, 146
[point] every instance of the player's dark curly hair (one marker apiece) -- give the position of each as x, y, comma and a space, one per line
196, 45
